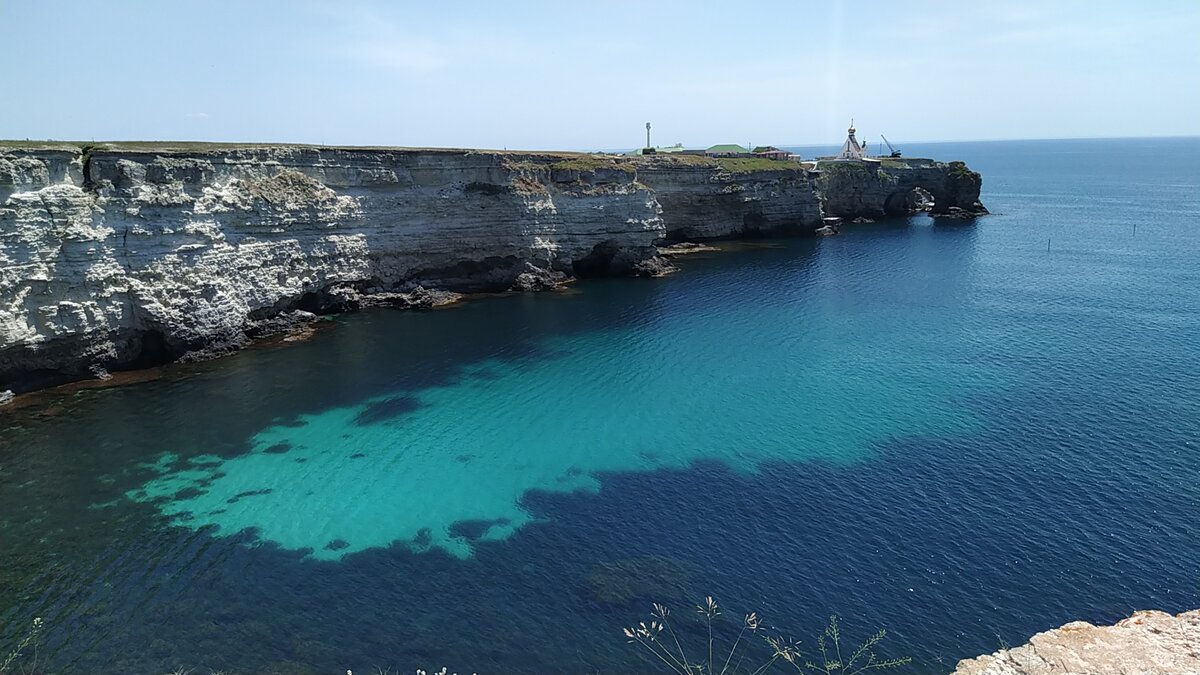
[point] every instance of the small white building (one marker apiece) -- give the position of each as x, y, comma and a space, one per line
851, 149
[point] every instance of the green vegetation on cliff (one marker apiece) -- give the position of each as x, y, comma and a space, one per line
584, 163
751, 164
847, 169
959, 171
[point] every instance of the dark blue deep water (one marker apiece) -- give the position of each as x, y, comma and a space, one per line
963, 432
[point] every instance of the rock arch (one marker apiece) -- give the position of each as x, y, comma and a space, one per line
894, 187
910, 200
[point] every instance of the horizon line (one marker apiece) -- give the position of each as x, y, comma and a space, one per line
519, 149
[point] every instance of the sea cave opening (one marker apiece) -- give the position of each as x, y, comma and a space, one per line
904, 202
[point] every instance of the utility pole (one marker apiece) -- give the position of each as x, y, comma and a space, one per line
648, 135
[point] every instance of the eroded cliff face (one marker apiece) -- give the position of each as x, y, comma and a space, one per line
702, 203
874, 190
114, 258
126, 255
1146, 643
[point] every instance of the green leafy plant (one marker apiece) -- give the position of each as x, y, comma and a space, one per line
659, 639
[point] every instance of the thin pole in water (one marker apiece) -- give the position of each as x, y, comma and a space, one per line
1047, 246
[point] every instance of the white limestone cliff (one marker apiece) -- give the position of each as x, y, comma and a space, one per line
125, 255
1146, 643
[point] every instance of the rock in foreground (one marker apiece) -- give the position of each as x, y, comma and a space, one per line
1149, 642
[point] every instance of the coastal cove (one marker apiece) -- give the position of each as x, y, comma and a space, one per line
920, 424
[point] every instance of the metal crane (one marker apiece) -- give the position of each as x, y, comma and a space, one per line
895, 152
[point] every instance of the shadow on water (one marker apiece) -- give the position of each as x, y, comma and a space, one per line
1074, 502
387, 409
224, 402
107, 579
59, 459
952, 556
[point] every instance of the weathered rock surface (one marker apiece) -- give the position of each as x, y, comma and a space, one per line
536, 278
894, 187
700, 201
120, 256
658, 266
1147, 643
123, 257
685, 248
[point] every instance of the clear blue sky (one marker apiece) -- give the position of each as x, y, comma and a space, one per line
587, 75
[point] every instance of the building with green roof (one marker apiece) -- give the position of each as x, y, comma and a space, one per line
726, 150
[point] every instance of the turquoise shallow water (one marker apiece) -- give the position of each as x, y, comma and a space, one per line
673, 386
942, 429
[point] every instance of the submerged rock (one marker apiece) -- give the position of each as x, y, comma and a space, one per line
285, 322
830, 226
1146, 643
976, 210
658, 266
685, 248
426, 298
536, 278
648, 578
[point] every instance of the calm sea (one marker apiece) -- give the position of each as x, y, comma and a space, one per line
963, 433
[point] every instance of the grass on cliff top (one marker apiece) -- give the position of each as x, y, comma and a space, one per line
751, 164
134, 146
736, 165
960, 170
585, 163
39, 145
839, 168
675, 159
205, 146
728, 164
907, 163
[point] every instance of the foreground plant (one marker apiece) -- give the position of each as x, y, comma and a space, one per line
660, 640
31, 639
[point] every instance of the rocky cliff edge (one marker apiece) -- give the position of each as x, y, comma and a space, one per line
116, 256
1146, 643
